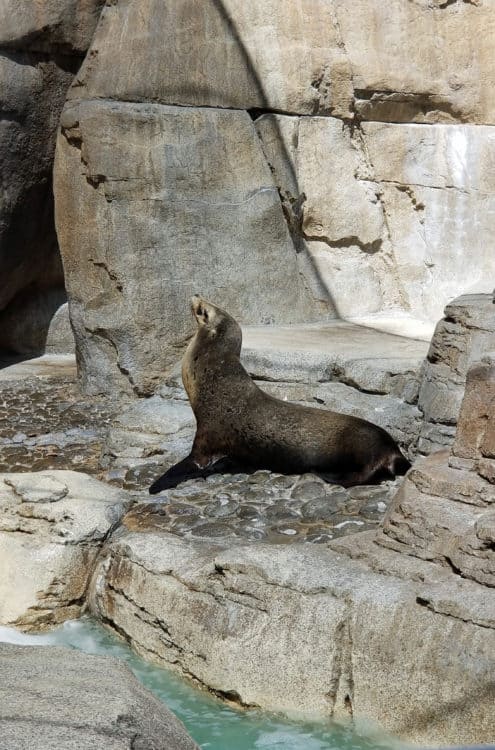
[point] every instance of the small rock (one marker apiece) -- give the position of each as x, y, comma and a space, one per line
321, 509
213, 530
307, 491
38, 489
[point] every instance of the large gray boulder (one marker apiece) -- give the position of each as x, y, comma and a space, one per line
183, 196
444, 510
462, 336
61, 699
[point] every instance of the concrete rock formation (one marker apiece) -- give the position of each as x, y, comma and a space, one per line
303, 628
361, 191
58, 698
444, 510
463, 336
52, 525
161, 175
41, 48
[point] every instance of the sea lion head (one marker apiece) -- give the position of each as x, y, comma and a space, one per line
216, 325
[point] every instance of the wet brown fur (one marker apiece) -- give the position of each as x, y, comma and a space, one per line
240, 427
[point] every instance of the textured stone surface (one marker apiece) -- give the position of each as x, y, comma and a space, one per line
64, 26
41, 46
385, 212
443, 511
32, 96
58, 698
302, 628
184, 193
369, 360
52, 526
257, 55
465, 333
475, 437
414, 61
60, 339
331, 57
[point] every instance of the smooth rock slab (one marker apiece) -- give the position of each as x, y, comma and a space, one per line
52, 526
307, 630
60, 699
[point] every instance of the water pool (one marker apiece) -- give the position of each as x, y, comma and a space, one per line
213, 725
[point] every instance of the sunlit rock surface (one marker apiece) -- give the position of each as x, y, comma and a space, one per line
361, 191
160, 176
58, 698
463, 336
52, 526
309, 630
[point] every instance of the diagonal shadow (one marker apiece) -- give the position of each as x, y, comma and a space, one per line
295, 225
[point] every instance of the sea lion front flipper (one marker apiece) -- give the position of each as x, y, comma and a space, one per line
189, 469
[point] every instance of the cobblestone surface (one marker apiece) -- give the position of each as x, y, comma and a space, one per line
45, 423
263, 507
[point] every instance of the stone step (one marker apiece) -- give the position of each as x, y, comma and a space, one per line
336, 351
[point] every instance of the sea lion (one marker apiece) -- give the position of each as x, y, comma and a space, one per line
242, 428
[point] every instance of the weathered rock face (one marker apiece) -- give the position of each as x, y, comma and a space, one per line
186, 195
401, 74
41, 47
385, 212
474, 445
383, 187
444, 511
300, 59
51, 26
58, 698
244, 56
465, 333
302, 629
52, 526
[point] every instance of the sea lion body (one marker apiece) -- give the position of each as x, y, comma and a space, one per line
240, 427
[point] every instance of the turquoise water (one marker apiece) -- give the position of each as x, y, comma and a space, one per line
213, 725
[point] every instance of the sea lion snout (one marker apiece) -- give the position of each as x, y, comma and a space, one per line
201, 309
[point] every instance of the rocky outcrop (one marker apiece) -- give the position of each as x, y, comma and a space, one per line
41, 48
353, 194
444, 510
160, 174
58, 698
466, 332
52, 526
302, 628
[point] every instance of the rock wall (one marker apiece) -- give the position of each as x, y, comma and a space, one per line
41, 47
363, 188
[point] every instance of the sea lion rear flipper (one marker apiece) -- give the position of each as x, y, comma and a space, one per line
189, 469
